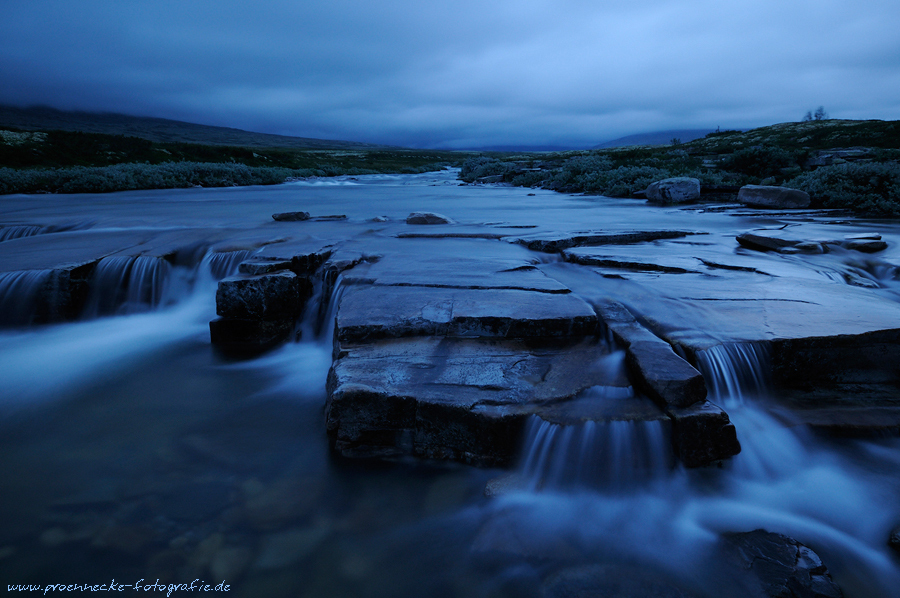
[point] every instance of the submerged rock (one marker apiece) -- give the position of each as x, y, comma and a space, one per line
776, 566
291, 216
427, 218
766, 196
674, 190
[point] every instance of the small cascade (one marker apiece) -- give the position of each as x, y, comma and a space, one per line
224, 264
605, 455
125, 284
321, 309
736, 371
19, 292
8, 233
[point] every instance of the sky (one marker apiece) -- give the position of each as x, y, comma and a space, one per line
460, 74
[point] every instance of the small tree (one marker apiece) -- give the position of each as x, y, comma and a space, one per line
807, 117
820, 114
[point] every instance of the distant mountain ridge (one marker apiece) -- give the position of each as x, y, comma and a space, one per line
656, 138
159, 130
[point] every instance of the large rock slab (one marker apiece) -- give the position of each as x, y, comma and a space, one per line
368, 312
674, 190
765, 196
455, 272
444, 398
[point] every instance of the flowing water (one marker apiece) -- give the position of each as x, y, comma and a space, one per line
129, 449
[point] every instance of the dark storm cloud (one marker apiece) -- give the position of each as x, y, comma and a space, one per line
456, 74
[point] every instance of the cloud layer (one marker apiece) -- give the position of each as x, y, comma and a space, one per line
456, 74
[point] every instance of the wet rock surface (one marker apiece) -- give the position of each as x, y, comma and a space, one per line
370, 312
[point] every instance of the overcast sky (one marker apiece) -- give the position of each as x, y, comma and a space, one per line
459, 73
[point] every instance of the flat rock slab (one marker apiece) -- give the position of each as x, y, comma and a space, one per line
458, 399
641, 260
456, 272
368, 312
799, 239
555, 242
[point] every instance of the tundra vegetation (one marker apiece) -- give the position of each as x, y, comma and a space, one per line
842, 164
78, 162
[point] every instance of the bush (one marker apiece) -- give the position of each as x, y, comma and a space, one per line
762, 161
482, 166
867, 188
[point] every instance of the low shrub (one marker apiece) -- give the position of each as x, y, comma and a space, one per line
868, 188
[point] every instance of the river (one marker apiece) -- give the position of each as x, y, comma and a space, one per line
131, 450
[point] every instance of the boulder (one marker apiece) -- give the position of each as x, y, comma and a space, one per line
776, 566
865, 245
674, 190
291, 216
427, 218
765, 196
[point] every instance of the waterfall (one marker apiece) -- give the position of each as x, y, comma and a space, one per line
8, 233
321, 309
736, 371
605, 455
19, 294
126, 284
224, 264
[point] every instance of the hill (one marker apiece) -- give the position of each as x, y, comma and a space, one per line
655, 138
158, 130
